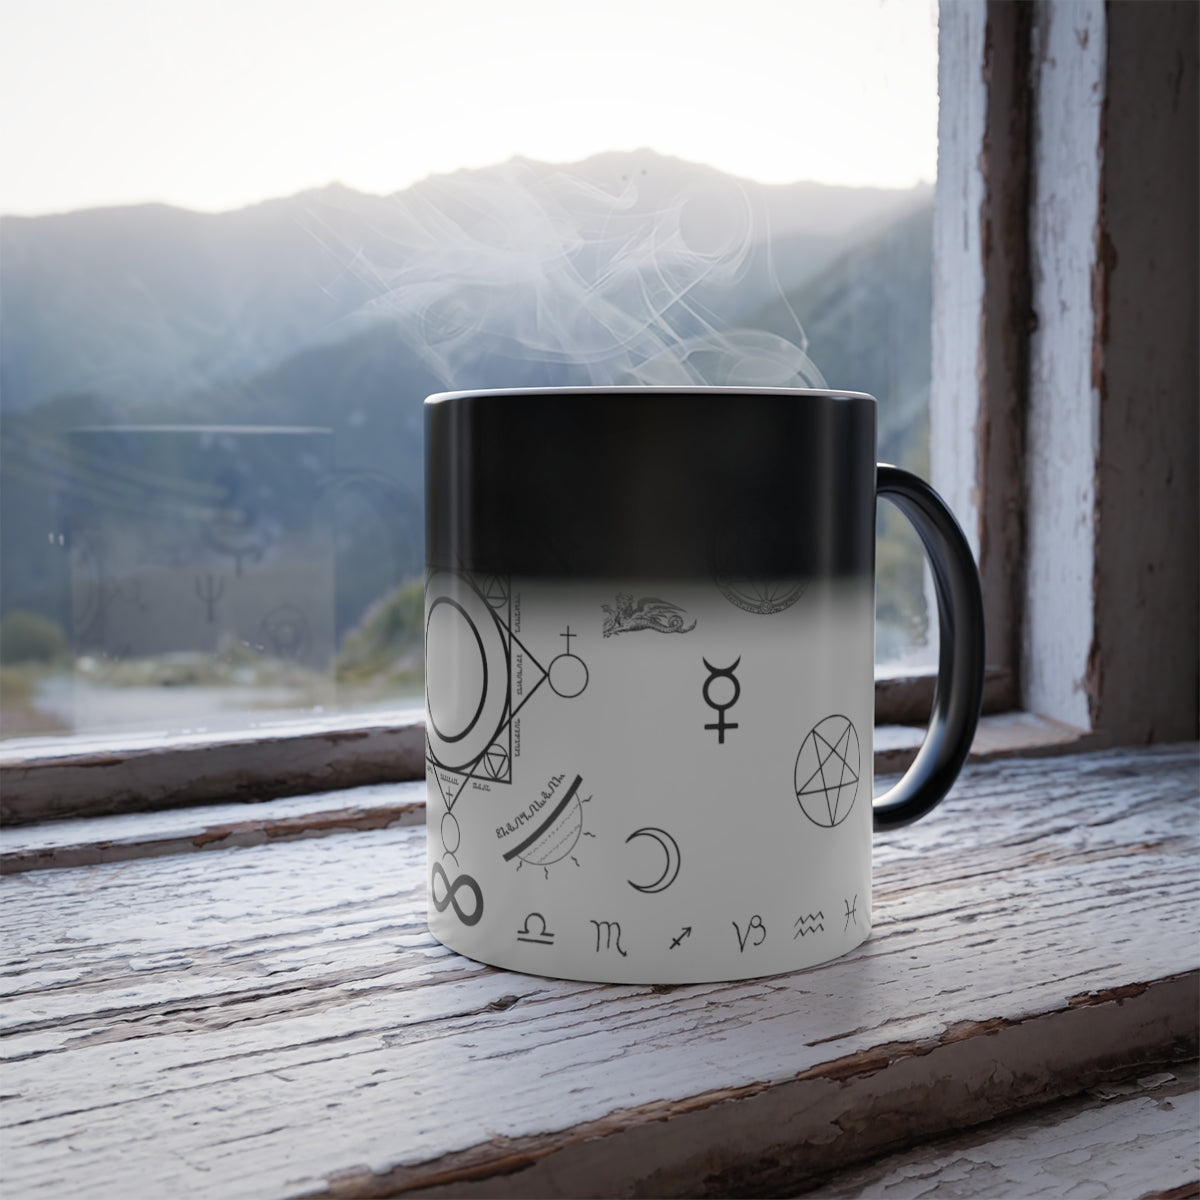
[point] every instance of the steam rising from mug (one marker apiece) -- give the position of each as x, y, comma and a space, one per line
528, 275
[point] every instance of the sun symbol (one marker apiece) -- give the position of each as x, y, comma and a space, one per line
557, 836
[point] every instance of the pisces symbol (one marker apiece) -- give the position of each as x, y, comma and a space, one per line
720, 725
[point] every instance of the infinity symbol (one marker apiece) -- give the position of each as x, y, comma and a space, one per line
451, 888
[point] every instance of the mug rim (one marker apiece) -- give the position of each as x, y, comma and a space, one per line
649, 389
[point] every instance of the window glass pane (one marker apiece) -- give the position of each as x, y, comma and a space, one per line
213, 358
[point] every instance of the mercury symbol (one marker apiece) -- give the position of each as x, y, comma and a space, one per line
721, 707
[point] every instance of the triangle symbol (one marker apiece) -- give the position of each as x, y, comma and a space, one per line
529, 678
494, 589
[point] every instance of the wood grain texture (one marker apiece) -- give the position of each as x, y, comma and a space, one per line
1064, 431
1132, 1141
118, 837
47, 779
86, 841
276, 1021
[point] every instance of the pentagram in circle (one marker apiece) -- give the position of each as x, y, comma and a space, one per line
827, 771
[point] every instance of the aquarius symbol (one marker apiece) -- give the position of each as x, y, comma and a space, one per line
209, 591
755, 925
808, 923
450, 896
720, 725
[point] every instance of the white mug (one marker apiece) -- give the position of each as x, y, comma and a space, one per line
650, 677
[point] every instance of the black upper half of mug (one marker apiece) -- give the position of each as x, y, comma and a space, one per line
646, 482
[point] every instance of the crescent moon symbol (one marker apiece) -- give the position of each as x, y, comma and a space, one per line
670, 849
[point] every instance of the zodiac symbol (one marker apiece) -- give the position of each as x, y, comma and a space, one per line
686, 931
756, 924
209, 591
530, 933
851, 912
609, 926
450, 896
567, 672
809, 923
720, 725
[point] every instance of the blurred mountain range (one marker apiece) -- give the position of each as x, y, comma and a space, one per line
342, 310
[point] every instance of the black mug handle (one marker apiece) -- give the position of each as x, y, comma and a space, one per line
959, 691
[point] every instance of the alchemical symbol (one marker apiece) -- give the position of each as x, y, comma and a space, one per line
567, 672
449, 897
721, 725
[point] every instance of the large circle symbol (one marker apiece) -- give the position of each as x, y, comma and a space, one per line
463, 672
827, 771
466, 673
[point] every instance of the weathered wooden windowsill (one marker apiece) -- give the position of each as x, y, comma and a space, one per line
274, 1019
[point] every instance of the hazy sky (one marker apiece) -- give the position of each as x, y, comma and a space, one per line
212, 104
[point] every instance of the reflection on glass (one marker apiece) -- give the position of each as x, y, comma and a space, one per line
211, 465
201, 574
161, 552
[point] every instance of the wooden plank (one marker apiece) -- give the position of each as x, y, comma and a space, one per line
46, 779
1131, 1139
277, 1021
86, 841
981, 300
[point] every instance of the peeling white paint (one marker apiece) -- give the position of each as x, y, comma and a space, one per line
1064, 401
277, 1021
957, 263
